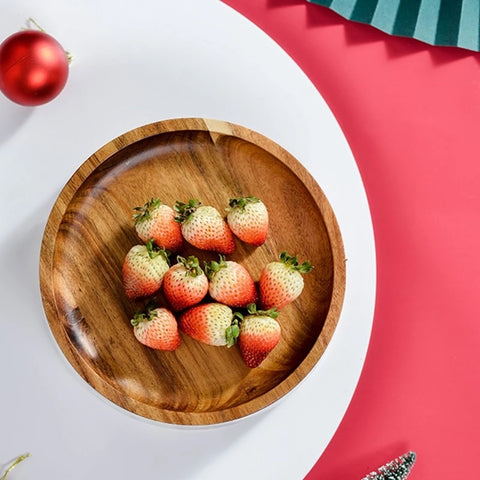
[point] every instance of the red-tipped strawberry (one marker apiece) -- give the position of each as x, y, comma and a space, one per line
259, 335
157, 220
157, 329
143, 270
210, 323
204, 227
230, 283
248, 219
282, 282
185, 284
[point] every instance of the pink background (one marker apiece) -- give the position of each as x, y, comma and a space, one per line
411, 114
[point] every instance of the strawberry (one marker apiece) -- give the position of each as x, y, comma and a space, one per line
282, 282
259, 335
210, 323
203, 227
157, 329
143, 270
157, 220
185, 283
230, 283
248, 219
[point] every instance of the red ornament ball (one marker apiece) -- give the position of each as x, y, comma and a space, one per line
33, 67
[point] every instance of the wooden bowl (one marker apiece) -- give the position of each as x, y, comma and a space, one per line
90, 230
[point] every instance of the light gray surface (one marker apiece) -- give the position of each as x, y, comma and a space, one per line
135, 63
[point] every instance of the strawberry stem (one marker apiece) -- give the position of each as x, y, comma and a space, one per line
154, 251
233, 331
231, 335
191, 264
252, 310
292, 262
242, 202
148, 315
211, 268
151, 249
144, 213
185, 210
138, 318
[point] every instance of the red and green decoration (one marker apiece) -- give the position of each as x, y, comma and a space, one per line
34, 66
398, 469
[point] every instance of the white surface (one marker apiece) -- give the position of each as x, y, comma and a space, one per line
135, 63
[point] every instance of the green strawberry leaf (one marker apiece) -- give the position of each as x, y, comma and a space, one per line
192, 265
231, 334
292, 262
185, 210
154, 251
148, 314
242, 202
233, 331
211, 268
252, 310
144, 213
138, 318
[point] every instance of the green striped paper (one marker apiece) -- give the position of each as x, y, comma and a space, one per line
437, 22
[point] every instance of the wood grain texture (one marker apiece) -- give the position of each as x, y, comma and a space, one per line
90, 230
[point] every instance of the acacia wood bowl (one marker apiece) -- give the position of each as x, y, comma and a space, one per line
90, 230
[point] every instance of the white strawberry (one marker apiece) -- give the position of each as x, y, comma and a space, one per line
282, 282
204, 227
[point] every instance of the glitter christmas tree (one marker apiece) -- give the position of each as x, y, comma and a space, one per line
398, 469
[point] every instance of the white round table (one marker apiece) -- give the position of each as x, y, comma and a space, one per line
135, 63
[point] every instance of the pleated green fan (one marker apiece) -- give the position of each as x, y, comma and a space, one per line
436, 22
